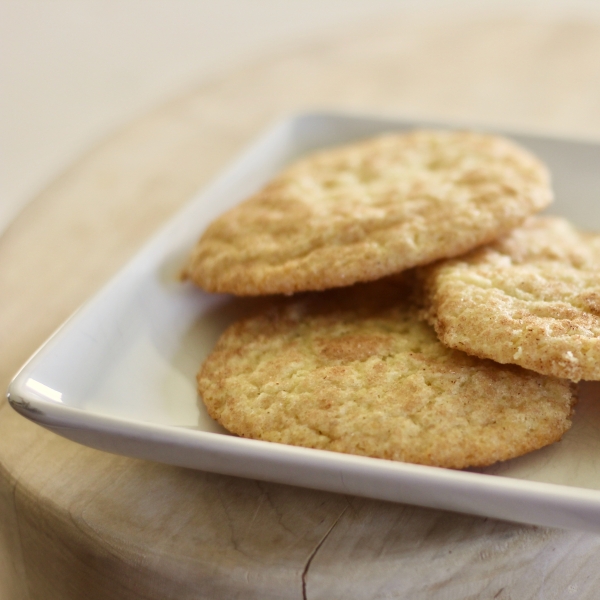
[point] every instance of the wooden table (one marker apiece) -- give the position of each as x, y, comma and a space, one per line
78, 523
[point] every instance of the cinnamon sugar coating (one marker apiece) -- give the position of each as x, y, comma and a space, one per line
531, 298
363, 211
356, 371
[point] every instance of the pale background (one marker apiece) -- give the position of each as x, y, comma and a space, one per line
73, 71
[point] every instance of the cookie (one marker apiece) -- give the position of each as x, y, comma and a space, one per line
356, 371
360, 212
531, 298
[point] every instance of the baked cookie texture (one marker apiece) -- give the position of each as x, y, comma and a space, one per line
360, 212
531, 298
356, 371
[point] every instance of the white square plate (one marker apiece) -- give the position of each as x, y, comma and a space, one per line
120, 374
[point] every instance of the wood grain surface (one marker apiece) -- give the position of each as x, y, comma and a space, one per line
78, 523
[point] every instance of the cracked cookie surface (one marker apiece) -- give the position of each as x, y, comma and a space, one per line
367, 210
531, 298
356, 371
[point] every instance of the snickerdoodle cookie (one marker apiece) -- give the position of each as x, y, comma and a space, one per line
531, 298
363, 211
356, 371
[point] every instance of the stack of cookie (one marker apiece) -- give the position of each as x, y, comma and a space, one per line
417, 310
